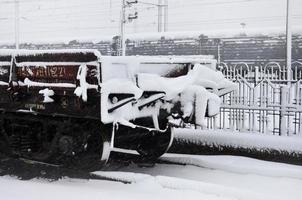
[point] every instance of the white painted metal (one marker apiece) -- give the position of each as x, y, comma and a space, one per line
288, 41
263, 101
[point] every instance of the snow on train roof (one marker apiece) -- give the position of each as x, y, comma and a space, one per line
113, 59
25, 52
127, 66
159, 59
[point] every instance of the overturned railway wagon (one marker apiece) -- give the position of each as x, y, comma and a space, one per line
73, 107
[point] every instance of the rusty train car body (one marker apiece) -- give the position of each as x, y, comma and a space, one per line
75, 107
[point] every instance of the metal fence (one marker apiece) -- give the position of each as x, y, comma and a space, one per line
265, 102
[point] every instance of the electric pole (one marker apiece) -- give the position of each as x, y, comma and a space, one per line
159, 16
288, 41
17, 23
166, 16
124, 20
162, 13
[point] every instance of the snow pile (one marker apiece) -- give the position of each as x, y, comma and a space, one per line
188, 89
215, 80
195, 100
171, 86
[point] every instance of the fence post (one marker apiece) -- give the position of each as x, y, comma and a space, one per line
282, 118
256, 74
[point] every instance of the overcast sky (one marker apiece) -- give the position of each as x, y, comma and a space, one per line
76, 19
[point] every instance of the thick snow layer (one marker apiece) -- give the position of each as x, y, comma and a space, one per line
160, 59
258, 141
193, 96
25, 52
230, 176
44, 64
129, 66
171, 86
204, 178
118, 86
238, 164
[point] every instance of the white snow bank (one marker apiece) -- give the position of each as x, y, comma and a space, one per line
240, 140
238, 164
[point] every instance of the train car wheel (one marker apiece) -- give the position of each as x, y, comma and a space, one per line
155, 145
95, 152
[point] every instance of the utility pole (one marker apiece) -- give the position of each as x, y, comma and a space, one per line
162, 15
17, 23
159, 16
123, 22
166, 16
288, 42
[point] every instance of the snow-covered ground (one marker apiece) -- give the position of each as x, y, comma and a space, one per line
245, 140
205, 177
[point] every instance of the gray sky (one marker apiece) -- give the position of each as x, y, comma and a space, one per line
78, 19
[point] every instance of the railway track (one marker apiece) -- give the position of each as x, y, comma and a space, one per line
25, 169
28, 169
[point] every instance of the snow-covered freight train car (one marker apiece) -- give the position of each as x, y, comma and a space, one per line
75, 106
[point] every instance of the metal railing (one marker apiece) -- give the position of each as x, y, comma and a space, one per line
265, 101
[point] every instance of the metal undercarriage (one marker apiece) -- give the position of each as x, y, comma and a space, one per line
75, 142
